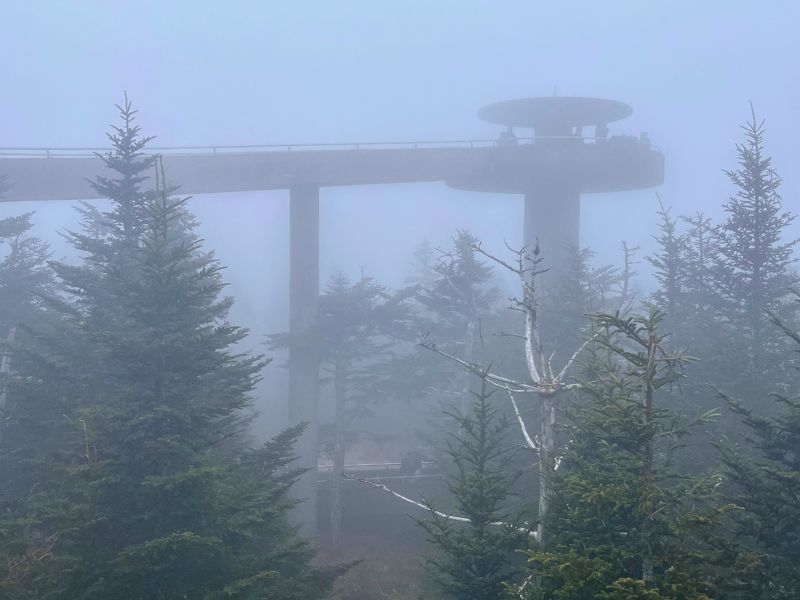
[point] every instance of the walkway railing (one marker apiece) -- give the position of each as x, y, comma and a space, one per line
89, 151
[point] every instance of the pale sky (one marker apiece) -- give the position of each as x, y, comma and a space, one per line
339, 70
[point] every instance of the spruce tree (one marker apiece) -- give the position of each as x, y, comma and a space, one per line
25, 281
460, 293
752, 272
477, 560
761, 551
691, 304
361, 325
697, 325
668, 266
454, 304
621, 519
580, 290
160, 497
24, 274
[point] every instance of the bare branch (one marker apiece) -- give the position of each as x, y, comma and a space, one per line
575, 355
528, 440
432, 510
518, 270
506, 334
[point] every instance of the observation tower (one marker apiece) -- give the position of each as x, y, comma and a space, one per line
567, 152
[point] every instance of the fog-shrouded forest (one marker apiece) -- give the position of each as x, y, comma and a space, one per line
424, 301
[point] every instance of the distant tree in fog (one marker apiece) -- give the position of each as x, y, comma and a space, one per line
458, 293
760, 551
423, 264
361, 327
24, 274
717, 282
27, 429
754, 255
458, 297
581, 289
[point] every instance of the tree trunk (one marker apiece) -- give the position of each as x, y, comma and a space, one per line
469, 352
546, 457
649, 451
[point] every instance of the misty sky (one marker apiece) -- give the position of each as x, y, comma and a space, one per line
339, 70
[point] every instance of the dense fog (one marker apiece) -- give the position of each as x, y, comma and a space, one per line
117, 330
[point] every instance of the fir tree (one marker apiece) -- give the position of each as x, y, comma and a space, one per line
478, 558
752, 271
423, 264
761, 554
24, 281
621, 518
698, 326
159, 496
460, 293
24, 274
360, 326
667, 263
580, 290
459, 296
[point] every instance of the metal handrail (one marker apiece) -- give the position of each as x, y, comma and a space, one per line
90, 151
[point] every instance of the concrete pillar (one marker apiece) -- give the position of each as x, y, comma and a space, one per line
552, 215
303, 351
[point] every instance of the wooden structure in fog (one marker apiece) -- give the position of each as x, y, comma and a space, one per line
550, 170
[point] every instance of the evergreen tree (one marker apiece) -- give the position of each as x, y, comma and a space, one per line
690, 301
697, 324
24, 274
24, 281
159, 497
459, 297
621, 518
580, 290
478, 558
762, 551
754, 256
423, 264
360, 326
668, 266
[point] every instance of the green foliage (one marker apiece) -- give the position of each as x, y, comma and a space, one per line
456, 295
763, 543
754, 255
460, 289
717, 282
582, 289
361, 326
477, 558
24, 276
151, 492
619, 510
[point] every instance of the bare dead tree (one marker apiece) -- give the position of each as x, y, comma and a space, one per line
544, 382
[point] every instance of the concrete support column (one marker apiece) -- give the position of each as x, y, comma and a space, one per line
303, 349
552, 215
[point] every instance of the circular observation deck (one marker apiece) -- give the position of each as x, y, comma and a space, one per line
560, 154
554, 116
620, 163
